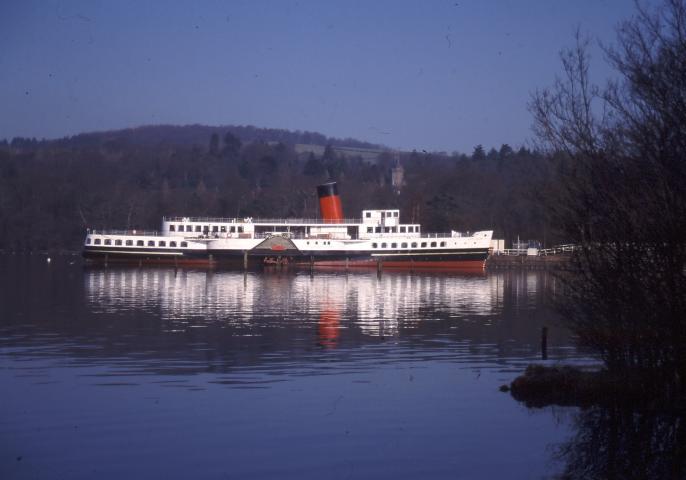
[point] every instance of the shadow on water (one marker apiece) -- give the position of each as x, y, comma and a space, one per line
624, 442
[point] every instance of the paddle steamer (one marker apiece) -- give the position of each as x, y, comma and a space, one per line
378, 239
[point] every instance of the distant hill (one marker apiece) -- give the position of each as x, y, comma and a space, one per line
51, 191
190, 135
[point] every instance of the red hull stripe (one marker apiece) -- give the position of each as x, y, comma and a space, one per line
446, 264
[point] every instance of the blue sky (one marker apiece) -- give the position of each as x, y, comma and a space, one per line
433, 75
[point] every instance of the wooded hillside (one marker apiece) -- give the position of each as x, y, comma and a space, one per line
52, 190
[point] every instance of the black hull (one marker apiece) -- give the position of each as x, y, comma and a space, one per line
465, 258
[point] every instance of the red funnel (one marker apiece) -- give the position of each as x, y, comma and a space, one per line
330, 203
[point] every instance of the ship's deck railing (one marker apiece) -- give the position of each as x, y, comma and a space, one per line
445, 235
279, 221
136, 232
302, 236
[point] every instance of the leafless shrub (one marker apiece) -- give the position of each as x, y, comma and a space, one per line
623, 164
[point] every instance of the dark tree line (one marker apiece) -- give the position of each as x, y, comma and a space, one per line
51, 191
622, 151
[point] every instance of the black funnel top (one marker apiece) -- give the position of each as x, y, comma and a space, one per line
328, 189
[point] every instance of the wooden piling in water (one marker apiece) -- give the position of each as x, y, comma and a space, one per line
544, 343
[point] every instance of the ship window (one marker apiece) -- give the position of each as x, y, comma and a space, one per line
433, 244
161, 243
198, 228
403, 245
172, 228
117, 242
410, 229
394, 245
374, 245
383, 214
386, 229
108, 241
393, 229
442, 244
395, 214
140, 243
189, 228
370, 229
389, 214
206, 228
184, 244
383, 245
402, 229
223, 229
172, 244
151, 243
423, 244
416, 228
88, 241
368, 214
215, 228
97, 241
240, 229
414, 244
377, 230
233, 230
129, 243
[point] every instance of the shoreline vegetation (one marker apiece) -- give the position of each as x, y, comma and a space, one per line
565, 385
624, 204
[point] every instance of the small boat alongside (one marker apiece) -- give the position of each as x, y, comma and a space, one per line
376, 240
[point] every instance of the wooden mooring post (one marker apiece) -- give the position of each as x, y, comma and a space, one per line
544, 343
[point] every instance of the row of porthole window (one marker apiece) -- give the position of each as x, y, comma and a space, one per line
205, 228
323, 243
139, 243
410, 229
404, 245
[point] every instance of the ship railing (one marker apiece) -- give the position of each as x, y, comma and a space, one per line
136, 232
445, 235
281, 221
302, 236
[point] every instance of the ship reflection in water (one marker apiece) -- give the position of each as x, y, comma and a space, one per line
376, 305
277, 374
361, 303
281, 311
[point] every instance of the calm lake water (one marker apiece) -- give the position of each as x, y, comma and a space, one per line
152, 373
